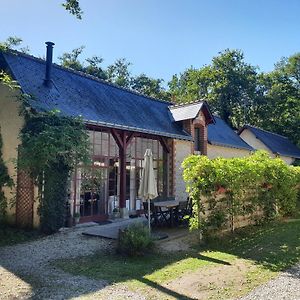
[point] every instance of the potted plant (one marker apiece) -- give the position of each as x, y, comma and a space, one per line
77, 217
116, 213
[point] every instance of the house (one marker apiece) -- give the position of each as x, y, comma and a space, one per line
121, 125
225, 142
277, 145
211, 137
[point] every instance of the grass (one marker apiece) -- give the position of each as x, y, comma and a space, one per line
11, 235
263, 250
274, 246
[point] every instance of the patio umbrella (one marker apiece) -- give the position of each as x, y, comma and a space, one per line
148, 187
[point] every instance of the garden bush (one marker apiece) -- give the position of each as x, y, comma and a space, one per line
240, 186
135, 240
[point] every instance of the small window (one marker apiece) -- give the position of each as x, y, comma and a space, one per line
197, 140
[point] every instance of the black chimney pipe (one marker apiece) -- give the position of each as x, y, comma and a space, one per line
49, 56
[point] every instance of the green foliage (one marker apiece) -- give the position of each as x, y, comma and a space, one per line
13, 42
248, 184
5, 181
8, 81
52, 145
281, 109
10, 235
71, 60
52, 208
117, 73
229, 84
135, 240
73, 7
48, 138
241, 95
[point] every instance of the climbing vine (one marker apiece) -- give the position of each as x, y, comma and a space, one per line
223, 189
5, 181
52, 144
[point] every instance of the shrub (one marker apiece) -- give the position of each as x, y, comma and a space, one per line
247, 185
135, 240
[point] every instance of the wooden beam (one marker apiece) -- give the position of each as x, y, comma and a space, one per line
122, 166
117, 138
129, 138
164, 144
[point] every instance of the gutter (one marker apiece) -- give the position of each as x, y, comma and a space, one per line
129, 128
229, 146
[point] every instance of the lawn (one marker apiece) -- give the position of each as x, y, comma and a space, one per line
223, 268
10, 235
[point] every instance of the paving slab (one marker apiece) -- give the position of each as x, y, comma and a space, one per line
111, 231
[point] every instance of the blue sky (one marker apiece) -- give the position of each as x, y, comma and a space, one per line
160, 37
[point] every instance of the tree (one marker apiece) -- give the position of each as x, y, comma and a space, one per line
71, 60
281, 110
149, 86
14, 42
228, 84
73, 7
119, 73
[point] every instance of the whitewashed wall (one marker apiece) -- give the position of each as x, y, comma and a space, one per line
214, 151
182, 150
253, 141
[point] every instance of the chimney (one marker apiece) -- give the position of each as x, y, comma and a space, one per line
49, 55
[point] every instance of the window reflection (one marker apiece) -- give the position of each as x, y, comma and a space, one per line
97, 186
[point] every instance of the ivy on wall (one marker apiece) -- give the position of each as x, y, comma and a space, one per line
52, 144
247, 185
5, 181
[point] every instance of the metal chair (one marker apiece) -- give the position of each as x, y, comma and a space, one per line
184, 211
155, 214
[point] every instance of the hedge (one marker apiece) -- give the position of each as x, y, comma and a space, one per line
247, 185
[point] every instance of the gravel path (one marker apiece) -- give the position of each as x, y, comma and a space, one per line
26, 271
284, 287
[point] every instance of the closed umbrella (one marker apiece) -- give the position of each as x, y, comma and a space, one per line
148, 187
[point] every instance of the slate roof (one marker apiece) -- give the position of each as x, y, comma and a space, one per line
278, 144
221, 134
189, 111
97, 101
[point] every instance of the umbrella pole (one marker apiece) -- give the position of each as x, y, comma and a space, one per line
149, 218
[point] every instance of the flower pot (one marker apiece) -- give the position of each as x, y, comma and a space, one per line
116, 215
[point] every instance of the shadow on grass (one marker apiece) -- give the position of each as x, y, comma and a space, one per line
165, 290
274, 246
151, 270
10, 235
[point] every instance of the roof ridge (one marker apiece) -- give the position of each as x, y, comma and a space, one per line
261, 129
80, 73
187, 103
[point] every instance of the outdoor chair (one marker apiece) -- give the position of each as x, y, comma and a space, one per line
184, 211
156, 217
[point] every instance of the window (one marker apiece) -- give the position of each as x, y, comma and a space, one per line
197, 140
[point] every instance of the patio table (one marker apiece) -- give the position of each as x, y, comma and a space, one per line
171, 205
